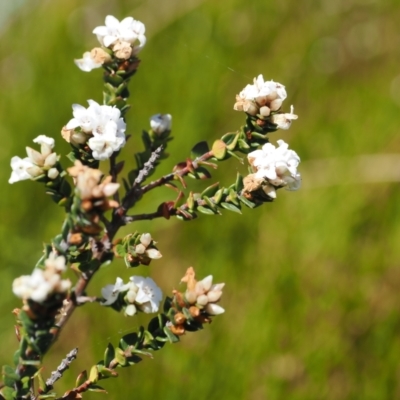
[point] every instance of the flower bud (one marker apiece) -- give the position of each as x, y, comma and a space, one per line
202, 300
53, 173
161, 123
130, 310
191, 296
35, 156
50, 160
214, 309
145, 239
214, 295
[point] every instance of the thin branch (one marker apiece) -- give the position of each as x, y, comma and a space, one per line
57, 374
140, 217
87, 299
182, 172
113, 174
148, 165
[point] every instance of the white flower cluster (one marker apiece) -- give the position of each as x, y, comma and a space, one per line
36, 163
264, 98
205, 295
100, 126
160, 123
43, 283
138, 294
125, 38
277, 166
142, 247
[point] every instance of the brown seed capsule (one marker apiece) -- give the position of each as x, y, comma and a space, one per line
194, 311
177, 330
179, 318
75, 238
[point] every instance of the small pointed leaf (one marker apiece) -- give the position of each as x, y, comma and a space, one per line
199, 149
231, 207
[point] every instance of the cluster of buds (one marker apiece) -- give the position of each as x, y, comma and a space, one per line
197, 305
122, 39
92, 192
100, 127
137, 249
264, 99
139, 294
37, 164
44, 284
273, 167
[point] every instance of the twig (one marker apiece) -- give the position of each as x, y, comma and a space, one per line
182, 172
57, 374
148, 165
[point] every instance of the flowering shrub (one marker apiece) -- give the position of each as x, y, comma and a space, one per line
97, 206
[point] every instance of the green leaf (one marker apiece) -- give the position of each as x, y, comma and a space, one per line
47, 396
239, 183
8, 393
243, 145
205, 210
120, 250
199, 149
41, 383
97, 388
231, 207
231, 146
109, 354
10, 377
82, 377
218, 196
120, 357
171, 337
247, 202
200, 173
94, 374
219, 149
106, 372
210, 204
210, 190
130, 339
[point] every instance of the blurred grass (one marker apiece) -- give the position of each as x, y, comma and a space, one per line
313, 280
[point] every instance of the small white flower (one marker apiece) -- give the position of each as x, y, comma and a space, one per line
19, 169
149, 295
40, 285
87, 63
262, 89
105, 125
284, 120
161, 123
103, 146
110, 292
85, 118
44, 140
55, 262
128, 30
277, 165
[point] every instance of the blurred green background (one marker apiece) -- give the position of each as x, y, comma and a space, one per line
313, 280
